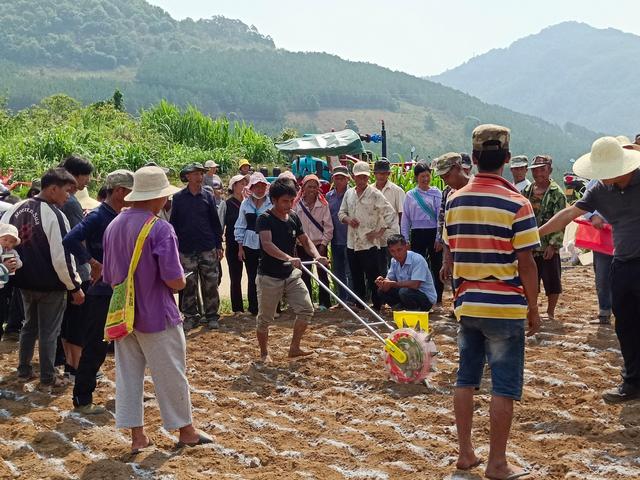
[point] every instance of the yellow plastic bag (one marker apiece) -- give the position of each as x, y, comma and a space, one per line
121, 314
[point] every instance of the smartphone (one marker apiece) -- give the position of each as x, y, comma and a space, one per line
8, 256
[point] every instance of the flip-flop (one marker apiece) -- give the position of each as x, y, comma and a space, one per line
297, 358
513, 476
136, 451
475, 464
202, 440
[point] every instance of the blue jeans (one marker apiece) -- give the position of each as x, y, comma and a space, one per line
502, 343
407, 298
602, 269
340, 268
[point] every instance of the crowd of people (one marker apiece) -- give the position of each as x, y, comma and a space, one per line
491, 240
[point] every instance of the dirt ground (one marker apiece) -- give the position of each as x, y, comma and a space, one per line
335, 416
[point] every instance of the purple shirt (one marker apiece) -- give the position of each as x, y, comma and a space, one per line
156, 308
414, 216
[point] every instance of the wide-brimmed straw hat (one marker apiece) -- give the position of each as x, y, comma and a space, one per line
150, 183
607, 159
85, 201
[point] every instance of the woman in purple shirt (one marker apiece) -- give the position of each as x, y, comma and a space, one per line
157, 340
419, 223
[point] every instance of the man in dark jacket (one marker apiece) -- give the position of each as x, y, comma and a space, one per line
90, 232
194, 217
73, 329
48, 272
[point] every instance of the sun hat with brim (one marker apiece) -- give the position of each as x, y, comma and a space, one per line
150, 183
624, 140
190, 168
361, 168
210, 164
607, 159
11, 230
85, 201
243, 161
256, 178
235, 179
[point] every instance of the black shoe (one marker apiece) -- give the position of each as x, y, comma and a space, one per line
624, 393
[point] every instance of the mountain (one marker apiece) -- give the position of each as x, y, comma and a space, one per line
228, 68
104, 34
570, 72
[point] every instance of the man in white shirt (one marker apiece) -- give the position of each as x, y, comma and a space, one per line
519, 166
369, 216
395, 196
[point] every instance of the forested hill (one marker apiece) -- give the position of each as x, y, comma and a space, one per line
104, 34
251, 81
569, 72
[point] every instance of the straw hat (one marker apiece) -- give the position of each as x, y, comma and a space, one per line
607, 159
85, 201
150, 183
623, 140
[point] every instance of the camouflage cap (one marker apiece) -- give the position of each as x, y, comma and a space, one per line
541, 161
446, 162
119, 178
519, 161
483, 134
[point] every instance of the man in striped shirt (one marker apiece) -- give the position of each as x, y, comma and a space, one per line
490, 232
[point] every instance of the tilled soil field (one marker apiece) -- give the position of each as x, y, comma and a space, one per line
334, 415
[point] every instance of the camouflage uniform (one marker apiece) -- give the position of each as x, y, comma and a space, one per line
552, 202
204, 266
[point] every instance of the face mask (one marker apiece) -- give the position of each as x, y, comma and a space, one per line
258, 197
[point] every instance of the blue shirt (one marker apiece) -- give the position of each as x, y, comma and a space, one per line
245, 228
90, 231
195, 221
339, 229
414, 268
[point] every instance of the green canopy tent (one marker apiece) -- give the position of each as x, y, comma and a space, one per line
344, 142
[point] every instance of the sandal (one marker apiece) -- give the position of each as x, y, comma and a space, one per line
202, 440
136, 451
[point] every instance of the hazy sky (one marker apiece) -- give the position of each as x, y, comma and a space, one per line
421, 37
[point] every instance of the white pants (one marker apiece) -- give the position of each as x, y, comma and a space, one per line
165, 354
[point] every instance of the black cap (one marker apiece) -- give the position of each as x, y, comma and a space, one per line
466, 160
192, 167
382, 166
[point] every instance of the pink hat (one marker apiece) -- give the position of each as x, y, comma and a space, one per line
288, 174
309, 178
257, 177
